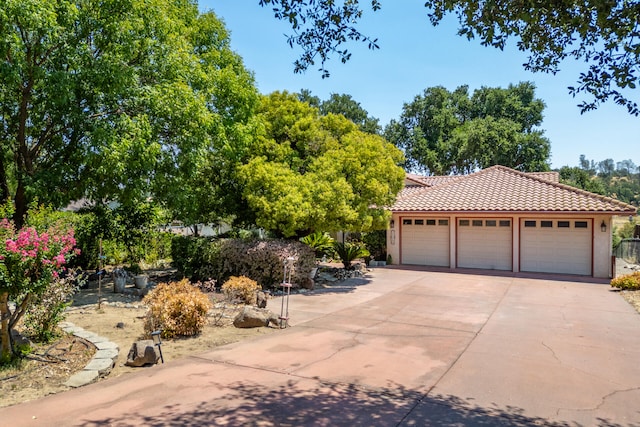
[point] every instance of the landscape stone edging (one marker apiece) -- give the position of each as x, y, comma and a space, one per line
102, 361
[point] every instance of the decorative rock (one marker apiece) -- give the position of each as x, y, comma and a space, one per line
327, 277
82, 378
20, 339
120, 325
253, 317
101, 363
261, 299
142, 353
102, 366
106, 345
97, 339
140, 292
86, 335
110, 353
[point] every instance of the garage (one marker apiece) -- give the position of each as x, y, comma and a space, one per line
425, 241
485, 243
556, 245
503, 219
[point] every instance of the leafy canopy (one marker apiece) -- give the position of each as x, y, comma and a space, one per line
115, 99
602, 33
345, 105
444, 132
310, 172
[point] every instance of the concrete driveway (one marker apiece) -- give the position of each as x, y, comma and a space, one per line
402, 348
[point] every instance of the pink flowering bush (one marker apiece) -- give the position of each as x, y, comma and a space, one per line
29, 262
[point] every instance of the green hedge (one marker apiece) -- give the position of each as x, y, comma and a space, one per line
201, 258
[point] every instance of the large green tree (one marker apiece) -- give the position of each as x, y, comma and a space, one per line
311, 172
580, 178
602, 33
443, 132
114, 99
345, 105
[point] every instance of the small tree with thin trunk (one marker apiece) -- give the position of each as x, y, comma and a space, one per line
29, 261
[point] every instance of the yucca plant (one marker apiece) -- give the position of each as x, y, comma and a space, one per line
347, 252
320, 242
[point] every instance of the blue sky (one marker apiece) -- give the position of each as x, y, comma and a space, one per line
413, 56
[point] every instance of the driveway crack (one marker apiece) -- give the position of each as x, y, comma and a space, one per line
444, 374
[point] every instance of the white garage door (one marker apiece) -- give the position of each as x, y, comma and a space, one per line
485, 243
425, 241
556, 246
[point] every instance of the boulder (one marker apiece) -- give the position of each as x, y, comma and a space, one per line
143, 352
261, 299
254, 317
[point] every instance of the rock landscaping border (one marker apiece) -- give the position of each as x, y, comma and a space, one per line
102, 362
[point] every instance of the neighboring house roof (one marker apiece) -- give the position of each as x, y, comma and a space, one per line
501, 189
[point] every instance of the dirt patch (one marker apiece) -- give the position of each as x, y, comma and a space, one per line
45, 370
633, 298
120, 318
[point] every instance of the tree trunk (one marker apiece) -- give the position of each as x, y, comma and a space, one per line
20, 205
4, 186
5, 332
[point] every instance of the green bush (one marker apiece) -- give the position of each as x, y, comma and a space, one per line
241, 289
197, 258
47, 310
176, 309
129, 234
376, 244
629, 282
348, 252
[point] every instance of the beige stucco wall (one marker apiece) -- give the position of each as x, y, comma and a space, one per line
393, 240
602, 250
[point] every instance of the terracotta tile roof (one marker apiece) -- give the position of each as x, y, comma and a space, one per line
548, 176
500, 189
429, 181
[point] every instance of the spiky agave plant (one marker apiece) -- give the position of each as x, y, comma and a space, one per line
348, 252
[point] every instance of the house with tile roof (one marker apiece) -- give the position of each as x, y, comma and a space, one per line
503, 219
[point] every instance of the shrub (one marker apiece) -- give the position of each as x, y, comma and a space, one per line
48, 308
320, 242
376, 244
630, 282
197, 258
176, 309
241, 289
348, 252
263, 261
201, 259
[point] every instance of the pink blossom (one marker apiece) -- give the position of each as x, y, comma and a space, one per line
11, 246
59, 259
